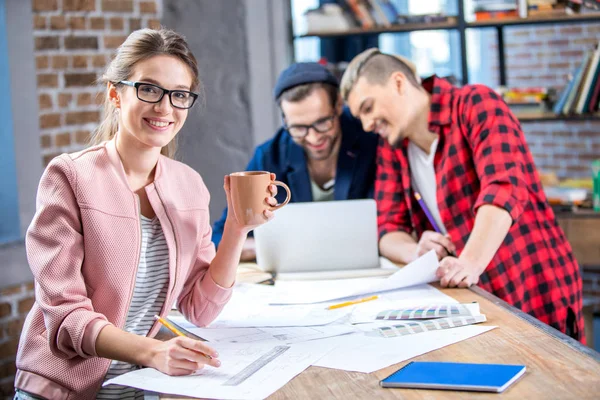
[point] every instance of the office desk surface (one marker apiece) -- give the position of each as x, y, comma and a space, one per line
558, 367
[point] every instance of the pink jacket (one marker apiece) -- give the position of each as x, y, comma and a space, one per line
83, 247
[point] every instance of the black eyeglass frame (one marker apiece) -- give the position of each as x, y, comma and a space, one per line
137, 85
313, 125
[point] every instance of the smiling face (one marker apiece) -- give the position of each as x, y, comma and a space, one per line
385, 109
152, 125
315, 109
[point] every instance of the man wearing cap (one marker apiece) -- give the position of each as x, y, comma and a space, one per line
321, 152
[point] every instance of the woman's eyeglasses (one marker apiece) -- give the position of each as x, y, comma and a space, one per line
150, 93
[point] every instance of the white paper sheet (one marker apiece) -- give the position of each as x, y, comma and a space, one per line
420, 271
247, 372
294, 334
249, 307
363, 353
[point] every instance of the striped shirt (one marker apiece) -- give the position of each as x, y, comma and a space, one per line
149, 296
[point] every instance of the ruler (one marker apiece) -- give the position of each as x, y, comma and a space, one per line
256, 365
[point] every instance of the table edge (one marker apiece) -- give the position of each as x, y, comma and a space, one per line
558, 335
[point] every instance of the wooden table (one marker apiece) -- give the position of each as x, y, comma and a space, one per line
558, 367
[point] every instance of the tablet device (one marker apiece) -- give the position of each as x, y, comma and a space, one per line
454, 376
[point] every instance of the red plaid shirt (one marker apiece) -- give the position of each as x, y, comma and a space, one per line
482, 158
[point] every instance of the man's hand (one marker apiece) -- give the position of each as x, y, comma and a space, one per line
431, 240
249, 250
454, 272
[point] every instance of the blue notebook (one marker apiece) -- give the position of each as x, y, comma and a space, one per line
454, 376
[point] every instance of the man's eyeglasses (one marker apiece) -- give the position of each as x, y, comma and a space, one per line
300, 131
150, 93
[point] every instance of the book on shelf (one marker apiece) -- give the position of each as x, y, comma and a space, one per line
582, 91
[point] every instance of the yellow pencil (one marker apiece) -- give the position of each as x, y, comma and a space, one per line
176, 331
350, 303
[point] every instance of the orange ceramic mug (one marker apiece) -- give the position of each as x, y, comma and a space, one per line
249, 190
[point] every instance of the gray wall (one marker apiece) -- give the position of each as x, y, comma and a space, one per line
13, 263
241, 45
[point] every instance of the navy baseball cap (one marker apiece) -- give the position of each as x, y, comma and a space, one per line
302, 73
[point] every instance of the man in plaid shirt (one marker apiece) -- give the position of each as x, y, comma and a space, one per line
465, 154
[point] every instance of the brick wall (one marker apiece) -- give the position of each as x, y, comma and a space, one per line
73, 42
15, 303
545, 55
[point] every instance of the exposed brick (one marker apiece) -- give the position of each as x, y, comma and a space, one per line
84, 99
62, 139
82, 117
545, 32
77, 23
98, 60
47, 80
46, 141
86, 79
9, 349
46, 42
112, 42
9, 291
79, 5
97, 23
99, 98
593, 29
42, 62
58, 22
571, 30
117, 23
82, 137
586, 41
135, 24
571, 53
26, 304
154, 24
147, 7
39, 22
558, 42
48, 121
29, 286
117, 5
13, 328
562, 134
80, 61
81, 42
559, 65
45, 5
5, 310
592, 134
48, 157
60, 62
45, 101
64, 99
7, 369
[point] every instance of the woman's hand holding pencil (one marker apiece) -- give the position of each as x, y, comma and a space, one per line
182, 355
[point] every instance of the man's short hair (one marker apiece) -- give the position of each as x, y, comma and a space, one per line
376, 67
301, 92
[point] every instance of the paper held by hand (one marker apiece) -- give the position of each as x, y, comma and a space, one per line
418, 272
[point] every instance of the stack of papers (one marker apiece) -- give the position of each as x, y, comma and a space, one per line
266, 335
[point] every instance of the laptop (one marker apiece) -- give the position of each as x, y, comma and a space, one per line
322, 240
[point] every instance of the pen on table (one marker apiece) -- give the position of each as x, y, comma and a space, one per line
430, 218
352, 302
176, 331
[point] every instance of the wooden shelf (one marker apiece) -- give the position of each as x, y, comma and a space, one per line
587, 17
550, 116
383, 29
566, 19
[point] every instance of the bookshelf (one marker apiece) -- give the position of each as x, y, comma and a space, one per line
461, 25
569, 19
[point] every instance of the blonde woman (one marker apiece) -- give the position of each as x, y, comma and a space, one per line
121, 233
